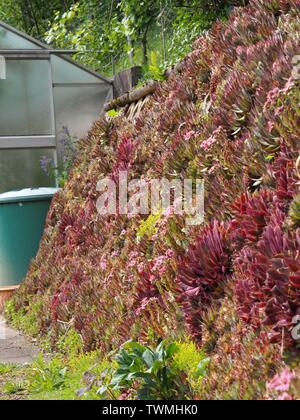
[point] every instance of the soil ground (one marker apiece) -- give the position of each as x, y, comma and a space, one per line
14, 347
16, 355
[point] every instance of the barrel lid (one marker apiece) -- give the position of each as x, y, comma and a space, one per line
28, 194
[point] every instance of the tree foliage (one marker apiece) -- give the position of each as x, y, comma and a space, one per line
112, 34
32, 16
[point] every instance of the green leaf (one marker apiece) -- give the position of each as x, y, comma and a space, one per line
113, 113
202, 367
157, 364
172, 350
148, 358
132, 345
118, 379
102, 390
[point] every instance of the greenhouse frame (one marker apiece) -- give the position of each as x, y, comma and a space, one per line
46, 98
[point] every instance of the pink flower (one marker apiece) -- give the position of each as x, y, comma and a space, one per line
271, 126
131, 278
103, 263
142, 307
272, 98
285, 397
152, 278
289, 85
279, 110
141, 268
133, 255
207, 144
132, 264
170, 253
189, 135
216, 166
239, 50
169, 211
159, 262
282, 381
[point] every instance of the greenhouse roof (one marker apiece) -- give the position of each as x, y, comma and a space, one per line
17, 43
46, 100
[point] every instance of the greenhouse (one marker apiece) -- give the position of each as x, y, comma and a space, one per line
44, 97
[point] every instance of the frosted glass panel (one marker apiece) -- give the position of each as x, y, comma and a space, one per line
25, 99
10, 40
22, 169
64, 72
77, 108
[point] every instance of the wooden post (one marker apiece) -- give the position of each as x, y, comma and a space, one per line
126, 80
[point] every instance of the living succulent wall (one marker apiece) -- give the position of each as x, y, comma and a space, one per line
231, 117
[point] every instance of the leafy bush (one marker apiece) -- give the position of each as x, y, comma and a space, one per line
124, 32
70, 343
148, 227
61, 377
27, 318
47, 377
194, 364
12, 388
154, 374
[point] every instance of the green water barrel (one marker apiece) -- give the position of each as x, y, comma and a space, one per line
22, 220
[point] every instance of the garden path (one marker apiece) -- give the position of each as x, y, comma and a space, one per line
14, 346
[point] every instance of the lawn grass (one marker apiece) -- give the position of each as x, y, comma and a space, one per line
57, 379
13, 382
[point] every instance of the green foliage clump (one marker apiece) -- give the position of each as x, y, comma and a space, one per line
61, 378
12, 388
56, 377
32, 16
6, 368
47, 377
156, 374
148, 227
25, 319
154, 70
13, 381
112, 35
193, 362
70, 343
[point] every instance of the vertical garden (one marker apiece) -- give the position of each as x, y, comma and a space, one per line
216, 304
